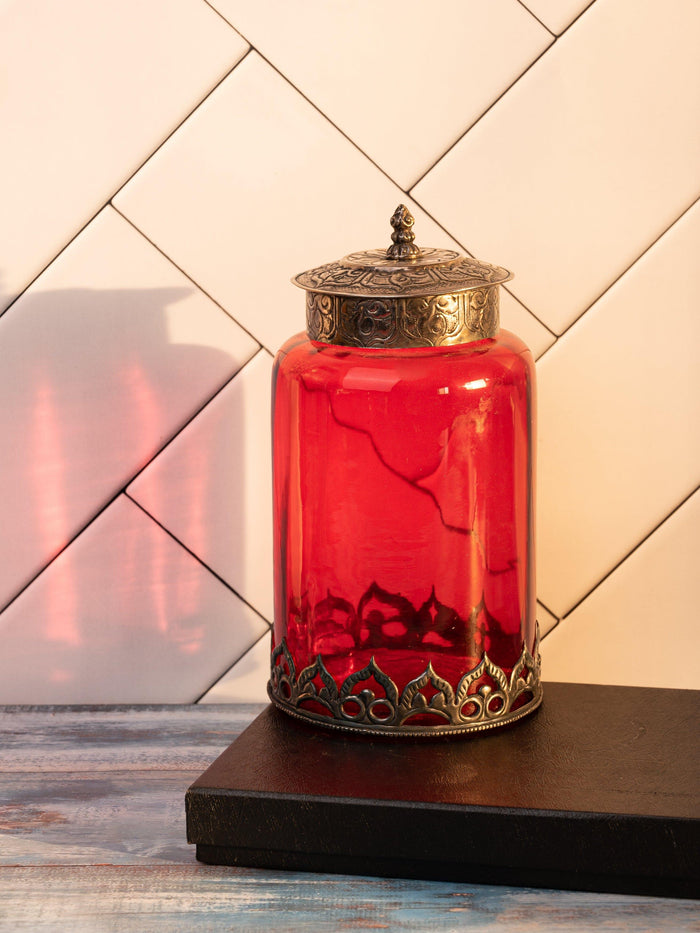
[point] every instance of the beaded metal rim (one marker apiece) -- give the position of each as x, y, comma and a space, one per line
470, 707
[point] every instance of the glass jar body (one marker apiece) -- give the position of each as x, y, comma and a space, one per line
403, 517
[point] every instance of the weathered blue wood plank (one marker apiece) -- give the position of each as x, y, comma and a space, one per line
116, 818
92, 816
45, 739
175, 898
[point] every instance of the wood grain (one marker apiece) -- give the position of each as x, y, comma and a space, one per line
92, 839
174, 898
118, 817
92, 739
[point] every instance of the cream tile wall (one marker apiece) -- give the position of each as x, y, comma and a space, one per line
166, 167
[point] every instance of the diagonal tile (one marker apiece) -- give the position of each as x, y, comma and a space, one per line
404, 93
636, 629
246, 682
618, 395
271, 188
107, 354
516, 318
87, 91
557, 14
124, 615
546, 620
212, 486
585, 161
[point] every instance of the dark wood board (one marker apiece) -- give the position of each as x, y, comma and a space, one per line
596, 791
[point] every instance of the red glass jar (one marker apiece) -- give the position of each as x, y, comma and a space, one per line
403, 499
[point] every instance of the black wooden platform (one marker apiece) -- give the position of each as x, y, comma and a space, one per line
599, 790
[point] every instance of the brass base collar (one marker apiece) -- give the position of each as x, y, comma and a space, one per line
472, 707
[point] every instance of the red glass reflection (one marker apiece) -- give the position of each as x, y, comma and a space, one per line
404, 506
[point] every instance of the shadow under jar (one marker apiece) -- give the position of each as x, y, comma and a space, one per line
403, 437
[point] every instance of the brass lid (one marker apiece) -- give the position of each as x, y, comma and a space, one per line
402, 296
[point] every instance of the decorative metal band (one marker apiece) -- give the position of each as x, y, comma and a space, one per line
470, 707
442, 320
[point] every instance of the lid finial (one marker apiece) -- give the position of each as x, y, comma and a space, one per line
403, 236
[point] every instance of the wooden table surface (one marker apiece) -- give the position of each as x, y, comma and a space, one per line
92, 838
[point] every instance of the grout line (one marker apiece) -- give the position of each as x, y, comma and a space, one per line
523, 305
83, 528
183, 121
221, 16
406, 191
552, 345
545, 606
198, 559
578, 16
624, 272
231, 666
440, 225
567, 28
189, 421
186, 274
122, 185
536, 18
122, 490
556, 625
462, 246
554, 616
254, 48
631, 552
480, 117
547, 349
324, 115
556, 39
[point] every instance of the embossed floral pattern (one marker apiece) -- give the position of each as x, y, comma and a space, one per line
355, 276
443, 320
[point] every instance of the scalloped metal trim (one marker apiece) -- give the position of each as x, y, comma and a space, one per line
455, 710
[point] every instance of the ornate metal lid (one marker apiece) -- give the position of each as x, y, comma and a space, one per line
402, 296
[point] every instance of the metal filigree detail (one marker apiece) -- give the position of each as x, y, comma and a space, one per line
484, 698
321, 317
443, 320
